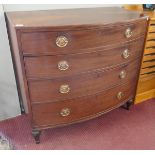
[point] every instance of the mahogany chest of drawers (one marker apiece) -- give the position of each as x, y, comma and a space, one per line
74, 65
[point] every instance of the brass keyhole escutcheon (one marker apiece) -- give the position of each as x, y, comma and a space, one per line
61, 41
63, 65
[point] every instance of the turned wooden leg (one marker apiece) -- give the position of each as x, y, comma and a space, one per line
36, 135
128, 104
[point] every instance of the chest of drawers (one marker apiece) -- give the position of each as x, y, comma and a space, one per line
74, 65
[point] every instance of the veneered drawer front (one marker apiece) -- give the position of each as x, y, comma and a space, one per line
74, 41
70, 111
80, 85
62, 65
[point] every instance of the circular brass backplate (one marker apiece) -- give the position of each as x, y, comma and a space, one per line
61, 41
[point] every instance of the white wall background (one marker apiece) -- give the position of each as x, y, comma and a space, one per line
9, 103
29, 7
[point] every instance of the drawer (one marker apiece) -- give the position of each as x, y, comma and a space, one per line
146, 83
150, 44
83, 84
75, 110
152, 28
149, 58
62, 65
148, 70
65, 42
152, 22
149, 50
151, 36
147, 64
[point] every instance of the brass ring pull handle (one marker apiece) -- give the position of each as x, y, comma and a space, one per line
125, 54
65, 112
120, 95
122, 74
128, 33
63, 65
64, 89
61, 41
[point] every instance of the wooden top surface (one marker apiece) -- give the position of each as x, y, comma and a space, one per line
67, 17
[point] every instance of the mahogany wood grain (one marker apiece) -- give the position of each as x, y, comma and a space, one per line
45, 42
72, 17
48, 114
80, 85
47, 66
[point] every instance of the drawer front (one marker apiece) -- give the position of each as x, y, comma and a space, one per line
151, 36
149, 50
70, 111
152, 28
152, 22
62, 65
149, 58
150, 44
65, 42
147, 70
84, 84
147, 64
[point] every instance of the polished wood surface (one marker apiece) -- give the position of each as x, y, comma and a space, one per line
82, 84
71, 17
45, 42
81, 108
100, 51
47, 66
